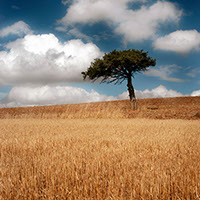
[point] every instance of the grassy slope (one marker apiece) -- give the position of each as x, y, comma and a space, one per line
160, 108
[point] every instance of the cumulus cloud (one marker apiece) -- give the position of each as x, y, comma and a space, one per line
19, 28
50, 95
143, 24
195, 93
160, 91
164, 72
179, 41
43, 59
134, 25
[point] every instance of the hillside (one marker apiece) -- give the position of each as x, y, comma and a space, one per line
158, 108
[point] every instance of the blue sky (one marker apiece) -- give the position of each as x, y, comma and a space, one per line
44, 45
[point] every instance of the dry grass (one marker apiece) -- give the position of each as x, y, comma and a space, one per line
99, 159
161, 108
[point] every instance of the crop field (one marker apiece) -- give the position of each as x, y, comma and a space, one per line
99, 159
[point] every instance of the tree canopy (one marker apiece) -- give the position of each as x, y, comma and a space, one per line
118, 66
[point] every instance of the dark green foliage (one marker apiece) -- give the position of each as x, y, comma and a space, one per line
117, 66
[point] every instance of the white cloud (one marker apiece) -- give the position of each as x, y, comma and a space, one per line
19, 28
164, 72
75, 32
194, 72
66, 1
195, 93
50, 95
134, 25
91, 11
143, 24
179, 41
160, 91
42, 59
61, 28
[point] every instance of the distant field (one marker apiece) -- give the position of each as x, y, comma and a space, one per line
99, 159
160, 108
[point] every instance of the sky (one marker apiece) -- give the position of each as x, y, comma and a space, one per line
46, 44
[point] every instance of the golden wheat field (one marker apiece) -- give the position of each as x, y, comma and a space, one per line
99, 159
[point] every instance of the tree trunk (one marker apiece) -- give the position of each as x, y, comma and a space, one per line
131, 93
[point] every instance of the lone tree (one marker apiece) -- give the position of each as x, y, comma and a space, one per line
118, 66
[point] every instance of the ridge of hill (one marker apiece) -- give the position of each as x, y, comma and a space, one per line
157, 108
